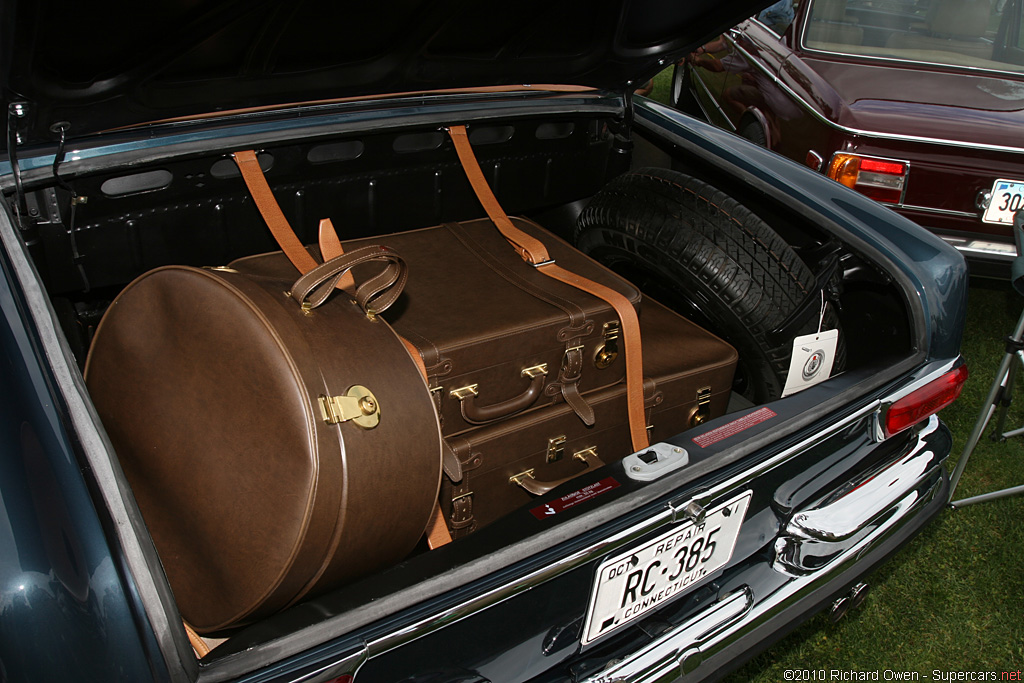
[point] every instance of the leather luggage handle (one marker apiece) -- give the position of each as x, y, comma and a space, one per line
539, 488
477, 414
374, 296
535, 253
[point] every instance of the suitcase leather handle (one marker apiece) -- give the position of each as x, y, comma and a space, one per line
478, 414
374, 295
539, 488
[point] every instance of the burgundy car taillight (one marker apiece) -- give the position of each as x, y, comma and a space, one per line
924, 402
880, 179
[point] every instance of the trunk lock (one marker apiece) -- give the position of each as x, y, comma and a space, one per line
358, 405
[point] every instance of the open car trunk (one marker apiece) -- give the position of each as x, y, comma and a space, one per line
95, 222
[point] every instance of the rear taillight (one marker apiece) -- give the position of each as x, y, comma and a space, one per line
923, 402
881, 179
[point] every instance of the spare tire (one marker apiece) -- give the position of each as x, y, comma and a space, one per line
701, 252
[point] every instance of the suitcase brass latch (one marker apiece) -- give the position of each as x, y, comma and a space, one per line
702, 411
608, 351
359, 406
556, 448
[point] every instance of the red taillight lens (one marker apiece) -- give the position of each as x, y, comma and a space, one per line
926, 401
879, 166
881, 179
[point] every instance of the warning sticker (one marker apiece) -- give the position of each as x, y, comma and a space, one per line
733, 428
575, 498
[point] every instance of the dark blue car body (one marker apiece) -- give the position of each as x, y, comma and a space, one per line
82, 592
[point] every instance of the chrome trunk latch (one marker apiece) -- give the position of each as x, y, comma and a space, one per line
694, 512
692, 508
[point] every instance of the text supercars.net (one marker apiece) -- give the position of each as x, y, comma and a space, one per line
895, 675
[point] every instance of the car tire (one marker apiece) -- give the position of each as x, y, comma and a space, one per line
701, 252
752, 130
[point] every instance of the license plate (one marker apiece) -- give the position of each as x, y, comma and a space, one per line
633, 583
1007, 197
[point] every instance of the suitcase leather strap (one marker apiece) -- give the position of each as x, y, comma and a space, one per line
535, 253
282, 231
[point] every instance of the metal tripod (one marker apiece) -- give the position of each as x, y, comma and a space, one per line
1001, 393
998, 398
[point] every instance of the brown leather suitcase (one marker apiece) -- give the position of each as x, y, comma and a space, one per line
498, 337
275, 449
688, 376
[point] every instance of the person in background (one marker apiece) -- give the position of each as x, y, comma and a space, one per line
777, 17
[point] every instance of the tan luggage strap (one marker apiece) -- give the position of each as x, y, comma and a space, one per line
535, 253
249, 166
289, 242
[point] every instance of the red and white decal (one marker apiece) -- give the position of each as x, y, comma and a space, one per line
575, 498
733, 428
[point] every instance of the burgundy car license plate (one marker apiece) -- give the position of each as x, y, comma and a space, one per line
633, 583
1007, 197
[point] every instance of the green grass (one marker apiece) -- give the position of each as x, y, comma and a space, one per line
662, 86
953, 599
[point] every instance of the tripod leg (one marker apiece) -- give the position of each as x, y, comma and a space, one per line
987, 409
1013, 432
1004, 399
985, 497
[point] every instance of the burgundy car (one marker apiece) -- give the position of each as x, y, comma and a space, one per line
918, 104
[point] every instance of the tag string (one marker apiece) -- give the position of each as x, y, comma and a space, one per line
821, 318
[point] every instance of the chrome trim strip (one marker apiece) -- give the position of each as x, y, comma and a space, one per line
868, 133
942, 212
994, 250
714, 101
819, 161
175, 139
884, 59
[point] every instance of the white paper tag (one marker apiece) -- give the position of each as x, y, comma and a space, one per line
813, 355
